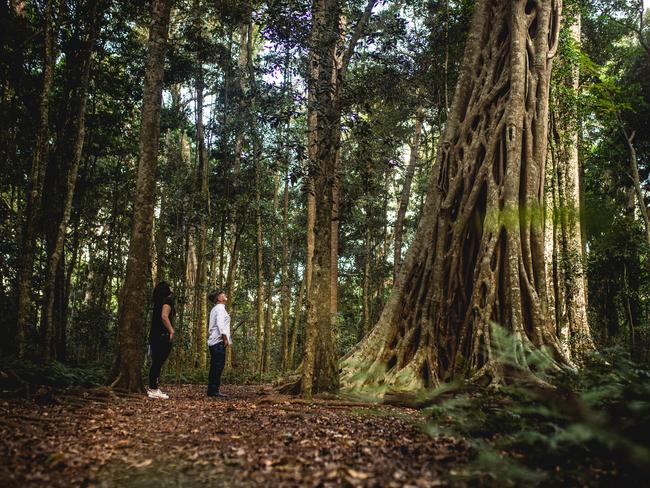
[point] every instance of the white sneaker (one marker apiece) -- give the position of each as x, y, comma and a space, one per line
156, 393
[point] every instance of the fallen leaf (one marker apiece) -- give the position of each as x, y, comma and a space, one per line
143, 464
360, 475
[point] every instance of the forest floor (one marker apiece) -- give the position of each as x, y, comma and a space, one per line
254, 437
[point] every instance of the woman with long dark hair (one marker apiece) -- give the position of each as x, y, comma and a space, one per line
161, 335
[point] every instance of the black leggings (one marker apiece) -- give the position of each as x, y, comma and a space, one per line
160, 350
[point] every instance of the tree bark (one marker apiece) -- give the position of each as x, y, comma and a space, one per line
478, 256
50, 332
268, 323
367, 258
563, 235
62, 339
160, 232
285, 287
35, 185
325, 27
189, 308
334, 258
260, 268
309, 336
234, 258
127, 369
326, 74
297, 313
201, 292
634, 171
257, 157
236, 224
406, 191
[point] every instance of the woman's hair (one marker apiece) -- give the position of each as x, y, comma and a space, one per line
160, 293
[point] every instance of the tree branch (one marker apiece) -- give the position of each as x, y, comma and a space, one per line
356, 35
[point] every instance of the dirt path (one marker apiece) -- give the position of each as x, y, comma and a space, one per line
248, 439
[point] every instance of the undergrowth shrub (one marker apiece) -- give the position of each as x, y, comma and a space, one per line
55, 374
588, 428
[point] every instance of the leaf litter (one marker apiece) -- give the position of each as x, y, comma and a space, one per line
102, 440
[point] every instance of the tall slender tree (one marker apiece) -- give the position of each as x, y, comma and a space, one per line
406, 191
202, 170
78, 131
127, 365
326, 75
636, 179
563, 246
36, 181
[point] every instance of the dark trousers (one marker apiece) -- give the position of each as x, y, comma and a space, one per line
160, 350
217, 362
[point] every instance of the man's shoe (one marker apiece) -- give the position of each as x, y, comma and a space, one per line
222, 395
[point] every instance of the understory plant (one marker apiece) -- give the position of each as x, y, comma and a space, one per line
579, 427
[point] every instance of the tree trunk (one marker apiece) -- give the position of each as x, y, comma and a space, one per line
367, 257
200, 294
127, 368
35, 186
478, 256
309, 336
268, 323
62, 339
247, 36
326, 73
50, 332
189, 308
563, 236
161, 230
218, 259
234, 258
285, 287
260, 269
201, 291
446, 62
334, 258
634, 170
325, 35
297, 313
406, 191
236, 224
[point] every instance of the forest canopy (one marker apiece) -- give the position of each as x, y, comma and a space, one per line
403, 200
255, 149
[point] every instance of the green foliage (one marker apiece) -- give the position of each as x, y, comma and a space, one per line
54, 374
615, 94
550, 435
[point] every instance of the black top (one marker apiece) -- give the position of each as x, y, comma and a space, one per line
158, 329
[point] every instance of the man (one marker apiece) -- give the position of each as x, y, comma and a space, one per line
218, 341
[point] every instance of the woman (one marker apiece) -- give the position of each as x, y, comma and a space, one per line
161, 335
218, 341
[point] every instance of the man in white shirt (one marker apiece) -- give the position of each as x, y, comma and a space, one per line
218, 341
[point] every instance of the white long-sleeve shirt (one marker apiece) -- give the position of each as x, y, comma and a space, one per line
219, 325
